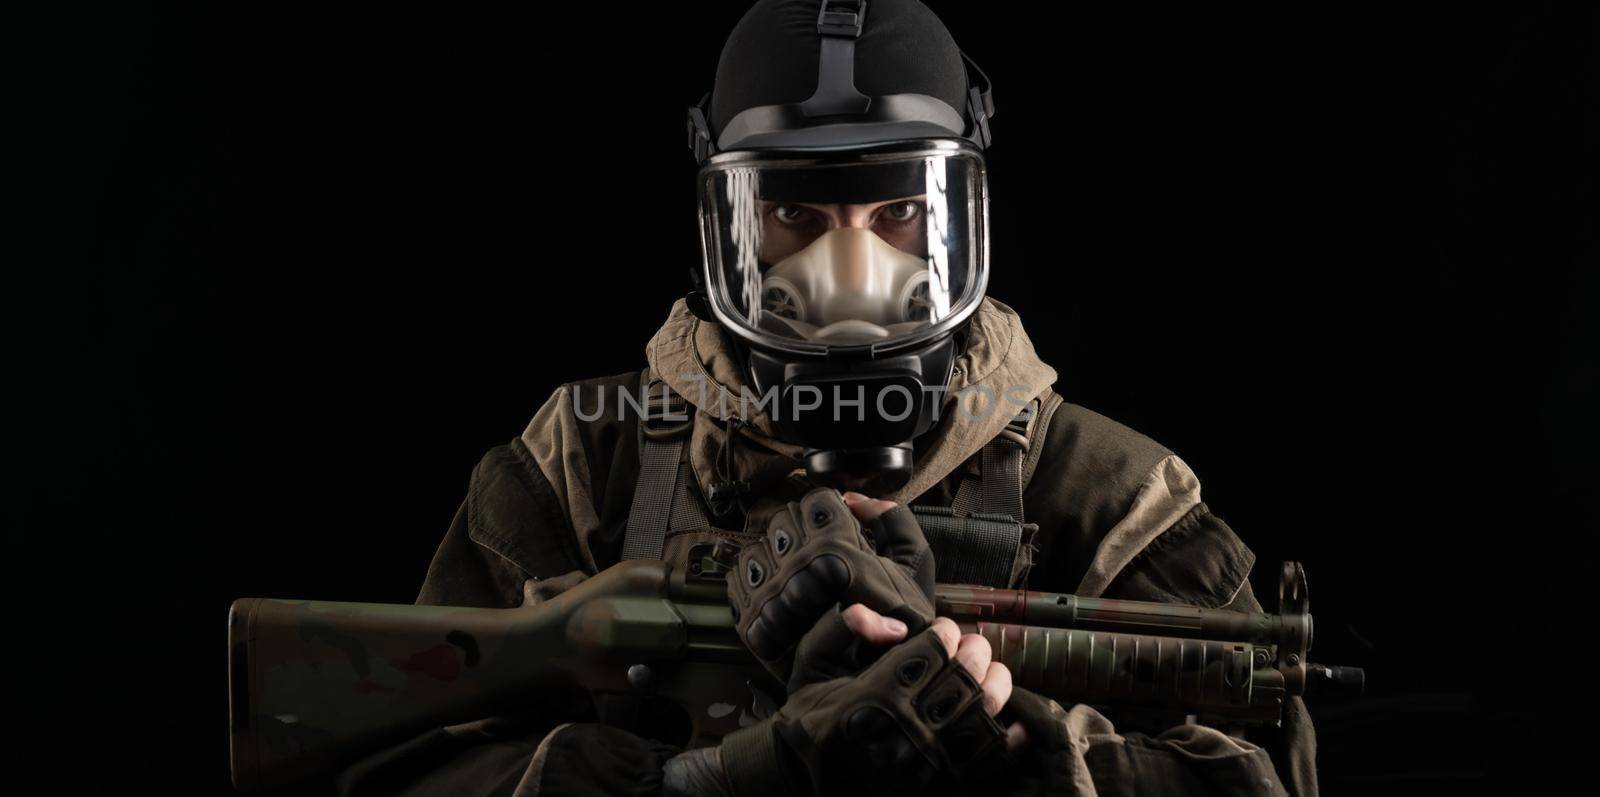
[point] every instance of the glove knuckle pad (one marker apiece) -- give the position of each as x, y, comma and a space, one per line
754, 573
909, 662
831, 573
910, 671
950, 693
782, 540
868, 723
754, 567
762, 639
807, 594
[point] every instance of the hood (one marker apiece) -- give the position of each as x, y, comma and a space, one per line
996, 371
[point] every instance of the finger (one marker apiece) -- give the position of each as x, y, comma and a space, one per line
872, 627
996, 687
806, 596
948, 632
865, 508
974, 653
1016, 736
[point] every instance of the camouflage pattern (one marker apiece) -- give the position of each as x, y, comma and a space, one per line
314, 684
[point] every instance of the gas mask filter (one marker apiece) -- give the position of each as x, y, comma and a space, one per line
847, 286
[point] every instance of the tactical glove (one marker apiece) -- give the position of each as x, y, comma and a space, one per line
913, 716
816, 557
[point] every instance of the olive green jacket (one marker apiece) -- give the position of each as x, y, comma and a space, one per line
1118, 516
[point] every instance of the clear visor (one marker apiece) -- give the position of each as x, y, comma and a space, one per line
819, 255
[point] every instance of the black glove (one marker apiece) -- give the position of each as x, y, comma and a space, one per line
911, 718
815, 557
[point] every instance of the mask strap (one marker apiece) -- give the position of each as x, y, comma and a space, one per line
980, 103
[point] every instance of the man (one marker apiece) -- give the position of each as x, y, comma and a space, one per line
842, 339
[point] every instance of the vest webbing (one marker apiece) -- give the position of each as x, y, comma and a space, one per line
977, 539
997, 488
974, 540
662, 502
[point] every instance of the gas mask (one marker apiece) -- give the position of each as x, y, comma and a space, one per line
844, 235
844, 278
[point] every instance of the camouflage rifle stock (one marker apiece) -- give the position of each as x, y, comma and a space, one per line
313, 685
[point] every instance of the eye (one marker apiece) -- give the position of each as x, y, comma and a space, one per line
902, 211
791, 214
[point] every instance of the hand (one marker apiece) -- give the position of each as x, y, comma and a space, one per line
971, 650
924, 710
816, 556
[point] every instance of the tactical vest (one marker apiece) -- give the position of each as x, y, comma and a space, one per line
981, 538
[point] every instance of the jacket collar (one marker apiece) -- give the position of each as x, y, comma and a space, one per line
996, 372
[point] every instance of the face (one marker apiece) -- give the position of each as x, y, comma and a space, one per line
788, 227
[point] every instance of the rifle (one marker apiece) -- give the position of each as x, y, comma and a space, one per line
316, 684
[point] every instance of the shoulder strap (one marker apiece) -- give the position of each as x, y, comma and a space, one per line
1006, 462
661, 499
982, 537
1049, 402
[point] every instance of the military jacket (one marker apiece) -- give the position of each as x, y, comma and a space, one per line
1117, 515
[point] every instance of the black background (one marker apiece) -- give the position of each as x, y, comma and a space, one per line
309, 263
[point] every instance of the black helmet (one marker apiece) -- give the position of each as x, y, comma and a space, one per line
804, 73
